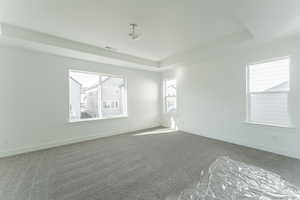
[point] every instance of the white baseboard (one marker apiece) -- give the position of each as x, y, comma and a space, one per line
255, 146
48, 145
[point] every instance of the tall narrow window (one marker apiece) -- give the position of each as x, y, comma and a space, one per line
170, 95
96, 96
267, 92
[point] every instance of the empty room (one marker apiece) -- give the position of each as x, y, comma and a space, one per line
149, 100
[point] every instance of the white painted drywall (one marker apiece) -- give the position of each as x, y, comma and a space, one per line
34, 101
212, 102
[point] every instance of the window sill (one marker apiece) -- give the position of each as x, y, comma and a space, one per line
269, 124
97, 119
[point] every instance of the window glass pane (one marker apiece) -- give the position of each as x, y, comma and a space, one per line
83, 95
113, 96
171, 88
269, 87
269, 108
170, 104
269, 76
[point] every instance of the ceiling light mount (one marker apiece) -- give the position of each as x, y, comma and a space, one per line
134, 34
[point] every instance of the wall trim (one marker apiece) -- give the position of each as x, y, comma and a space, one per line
282, 152
48, 145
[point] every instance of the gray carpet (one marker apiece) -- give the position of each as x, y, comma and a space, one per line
135, 166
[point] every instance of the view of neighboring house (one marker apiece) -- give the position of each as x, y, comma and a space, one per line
95, 100
270, 105
75, 95
284, 86
89, 102
112, 97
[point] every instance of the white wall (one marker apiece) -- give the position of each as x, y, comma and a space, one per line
212, 102
34, 101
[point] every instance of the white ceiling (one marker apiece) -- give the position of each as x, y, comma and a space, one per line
167, 26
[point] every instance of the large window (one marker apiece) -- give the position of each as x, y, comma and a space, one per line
96, 96
170, 95
267, 92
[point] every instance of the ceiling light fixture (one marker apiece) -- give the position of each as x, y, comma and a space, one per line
133, 32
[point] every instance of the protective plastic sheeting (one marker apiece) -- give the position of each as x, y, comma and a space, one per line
227, 179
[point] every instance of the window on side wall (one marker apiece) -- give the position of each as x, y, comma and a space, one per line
268, 87
170, 103
96, 96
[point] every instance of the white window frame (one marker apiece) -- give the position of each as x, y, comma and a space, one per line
248, 94
168, 96
125, 112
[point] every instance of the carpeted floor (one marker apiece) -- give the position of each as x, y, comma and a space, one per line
137, 166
